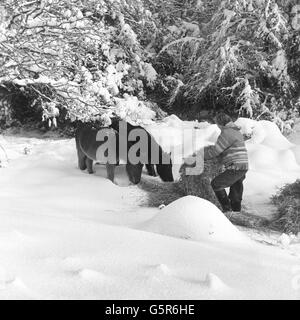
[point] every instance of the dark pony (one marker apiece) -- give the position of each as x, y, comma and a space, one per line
87, 146
164, 163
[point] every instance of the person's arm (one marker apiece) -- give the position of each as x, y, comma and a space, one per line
221, 145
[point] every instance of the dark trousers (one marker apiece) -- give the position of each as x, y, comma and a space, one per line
233, 179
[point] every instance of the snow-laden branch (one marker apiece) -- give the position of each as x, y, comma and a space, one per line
99, 60
181, 41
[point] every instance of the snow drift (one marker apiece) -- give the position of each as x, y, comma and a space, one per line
65, 234
268, 146
195, 219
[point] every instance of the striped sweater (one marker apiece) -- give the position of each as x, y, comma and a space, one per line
230, 147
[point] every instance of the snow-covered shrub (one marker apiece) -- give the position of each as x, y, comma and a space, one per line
287, 201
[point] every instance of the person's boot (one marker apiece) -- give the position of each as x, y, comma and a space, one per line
236, 206
224, 200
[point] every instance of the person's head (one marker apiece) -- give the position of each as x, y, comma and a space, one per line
222, 119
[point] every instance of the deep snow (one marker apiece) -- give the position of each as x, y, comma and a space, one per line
65, 234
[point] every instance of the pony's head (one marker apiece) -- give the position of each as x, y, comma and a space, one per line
134, 172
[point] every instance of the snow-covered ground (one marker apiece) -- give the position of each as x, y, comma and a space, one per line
65, 234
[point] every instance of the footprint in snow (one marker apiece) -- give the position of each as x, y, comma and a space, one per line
213, 282
9, 282
5, 278
93, 276
157, 271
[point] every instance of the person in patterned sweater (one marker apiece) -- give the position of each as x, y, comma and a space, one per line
230, 148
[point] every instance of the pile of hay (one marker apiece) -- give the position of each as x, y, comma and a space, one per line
197, 185
287, 201
200, 185
158, 192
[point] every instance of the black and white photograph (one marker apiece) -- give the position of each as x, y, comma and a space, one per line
149, 150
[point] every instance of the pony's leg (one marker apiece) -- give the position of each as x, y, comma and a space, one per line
110, 169
82, 163
81, 156
89, 164
151, 170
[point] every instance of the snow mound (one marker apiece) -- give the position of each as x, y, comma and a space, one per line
196, 219
262, 156
267, 145
263, 132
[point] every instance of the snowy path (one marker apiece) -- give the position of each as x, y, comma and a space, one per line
65, 234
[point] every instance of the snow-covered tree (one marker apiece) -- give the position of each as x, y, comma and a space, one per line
243, 56
93, 57
82, 56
